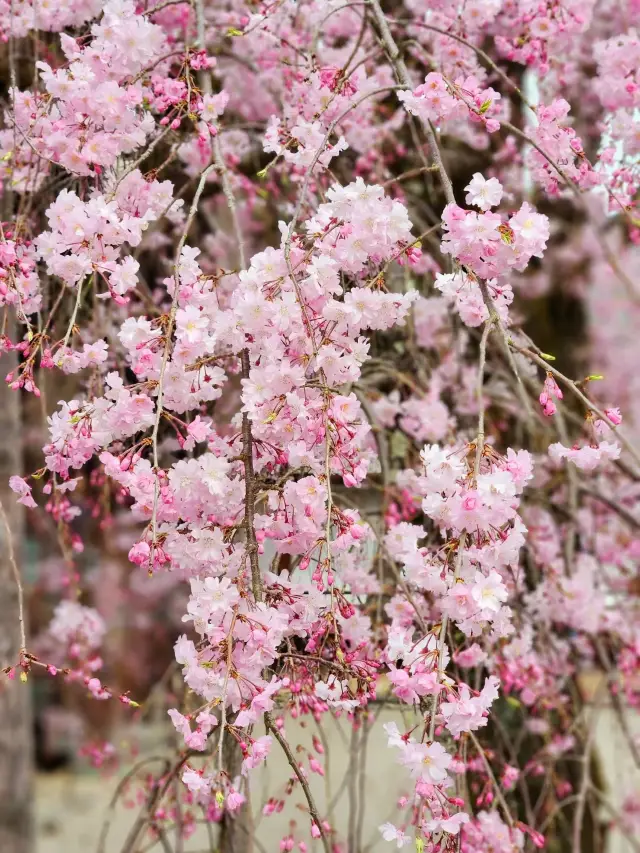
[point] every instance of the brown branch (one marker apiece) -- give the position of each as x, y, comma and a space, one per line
155, 796
498, 792
613, 505
313, 809
393, 52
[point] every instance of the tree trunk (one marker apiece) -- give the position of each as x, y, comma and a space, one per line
16, 733
235, 830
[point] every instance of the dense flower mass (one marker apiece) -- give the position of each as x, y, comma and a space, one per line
283, 256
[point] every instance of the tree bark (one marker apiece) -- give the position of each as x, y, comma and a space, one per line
16, 731
235, 830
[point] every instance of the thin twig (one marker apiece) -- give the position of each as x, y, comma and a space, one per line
442, 638
270, 724
585, 784
480, 397
575, 390
402, 72
496, 786
167, 351
17, 578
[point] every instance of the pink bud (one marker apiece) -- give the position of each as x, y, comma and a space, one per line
316, 767
139, 553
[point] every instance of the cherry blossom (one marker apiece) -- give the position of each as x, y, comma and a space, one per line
291, 262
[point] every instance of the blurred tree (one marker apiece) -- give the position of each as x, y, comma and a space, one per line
16, 732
